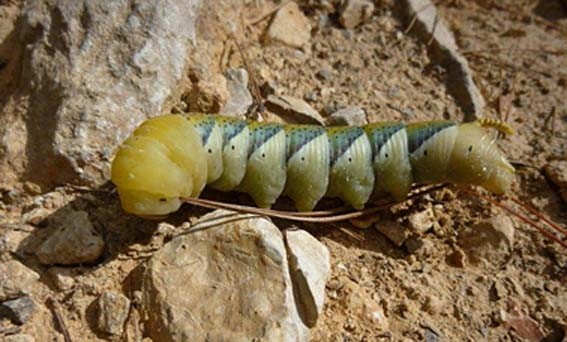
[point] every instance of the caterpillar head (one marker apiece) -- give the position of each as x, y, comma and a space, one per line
161, 162
476, 159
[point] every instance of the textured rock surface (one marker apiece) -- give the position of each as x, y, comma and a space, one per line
351, 115
491, 240
359, 307
15, 280
310, 265
394, 231
556, 171
444, 50
229, 280
422, 221
355, 12
18, 338
240, 98
289, 27
87, 88
17, 310
113, 310
293, 110
73, 242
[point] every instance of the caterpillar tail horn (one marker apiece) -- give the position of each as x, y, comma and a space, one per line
499, 125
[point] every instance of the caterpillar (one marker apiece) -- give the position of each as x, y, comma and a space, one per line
171, 157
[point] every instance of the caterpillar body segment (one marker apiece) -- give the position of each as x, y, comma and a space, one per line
308, 155
171, 157
391, 162
265, 175
351, 177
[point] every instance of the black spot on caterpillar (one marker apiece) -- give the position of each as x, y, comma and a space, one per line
173, 156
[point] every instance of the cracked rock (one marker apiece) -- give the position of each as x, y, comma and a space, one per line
238, 264
310, 265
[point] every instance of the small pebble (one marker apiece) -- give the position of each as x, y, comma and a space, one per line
74, 241
351, 116
355, 12
113, 310
324, 75
17, 310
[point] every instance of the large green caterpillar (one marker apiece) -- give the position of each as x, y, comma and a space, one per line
172, 157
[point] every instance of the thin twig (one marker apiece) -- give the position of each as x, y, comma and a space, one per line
254, 86
295, 216
549, 121
432, 37
514, 49
521, 217
268, 14
56, 309
536, 213
414, 17
509, 65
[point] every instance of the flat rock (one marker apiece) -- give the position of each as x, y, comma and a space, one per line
394, 231
491, 240
62, 277
355, 12
228, 280
293, 110
87, 88
517, 318
289, 27
17, 310
556, 171
74, 241
310, 265
113, 309
350, 116
444, 51
18, 338
15, 280
240, 98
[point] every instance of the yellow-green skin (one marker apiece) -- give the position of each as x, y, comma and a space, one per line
173, 157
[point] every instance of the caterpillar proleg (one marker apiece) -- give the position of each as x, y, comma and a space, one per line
174, 156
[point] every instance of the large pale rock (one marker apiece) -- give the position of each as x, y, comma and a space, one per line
228, 280
289, 27
310, 265
74, 241
91, 71
444, 51
15, 280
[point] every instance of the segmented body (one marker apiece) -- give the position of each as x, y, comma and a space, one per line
174, 156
